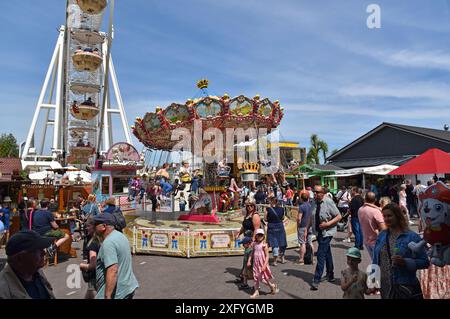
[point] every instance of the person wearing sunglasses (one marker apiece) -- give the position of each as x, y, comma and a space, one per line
325, 216
251, 222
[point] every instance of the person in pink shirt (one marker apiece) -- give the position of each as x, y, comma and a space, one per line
372, 222
289, 196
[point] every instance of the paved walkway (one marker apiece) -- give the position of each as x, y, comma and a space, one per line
212, 277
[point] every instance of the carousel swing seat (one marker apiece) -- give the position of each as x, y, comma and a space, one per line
86, 61
92, 6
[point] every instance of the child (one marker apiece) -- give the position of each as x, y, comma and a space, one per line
354, 281
247, 271
182, 202
261, 270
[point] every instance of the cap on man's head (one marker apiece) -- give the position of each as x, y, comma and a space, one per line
105, 218
27, 240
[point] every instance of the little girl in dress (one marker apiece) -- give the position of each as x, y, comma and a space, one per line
261, 270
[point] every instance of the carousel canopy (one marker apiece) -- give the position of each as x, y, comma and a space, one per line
156, 128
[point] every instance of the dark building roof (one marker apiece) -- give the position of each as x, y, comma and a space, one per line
9, 166
390, 143
430, 132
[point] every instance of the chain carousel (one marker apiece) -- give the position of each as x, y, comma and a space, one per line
209, 228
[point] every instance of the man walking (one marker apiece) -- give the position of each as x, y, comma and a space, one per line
355, 204
410, 199
372, 222
304, 225
325, 216
115, 277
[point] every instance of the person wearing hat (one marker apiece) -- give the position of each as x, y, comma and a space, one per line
354, 281
247, 271
22, 277
114, 271
110, 205
261, 269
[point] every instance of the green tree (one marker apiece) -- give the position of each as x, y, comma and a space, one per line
317, 146
8, 146
323, 146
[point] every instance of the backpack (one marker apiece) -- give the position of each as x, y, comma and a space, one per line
121, 222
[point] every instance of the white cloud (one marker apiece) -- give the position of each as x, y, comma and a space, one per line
354, 111
422, 90
407, 58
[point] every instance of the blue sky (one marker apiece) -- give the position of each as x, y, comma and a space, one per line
333, 75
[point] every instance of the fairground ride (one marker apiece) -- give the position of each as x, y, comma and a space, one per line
75, 102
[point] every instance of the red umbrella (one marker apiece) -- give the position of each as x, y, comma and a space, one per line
433, 161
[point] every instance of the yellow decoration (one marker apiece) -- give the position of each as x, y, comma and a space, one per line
256, 98
203, 84
251, 167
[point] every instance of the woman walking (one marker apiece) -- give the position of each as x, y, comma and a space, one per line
276, 234
251, 222
398, 264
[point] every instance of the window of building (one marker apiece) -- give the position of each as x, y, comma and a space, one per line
105, 185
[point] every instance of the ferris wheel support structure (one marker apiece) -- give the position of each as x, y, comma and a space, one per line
54, 106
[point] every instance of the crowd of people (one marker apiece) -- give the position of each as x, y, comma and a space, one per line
379, 224
107, 261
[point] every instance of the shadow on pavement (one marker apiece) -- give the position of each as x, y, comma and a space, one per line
234, 271
306, 276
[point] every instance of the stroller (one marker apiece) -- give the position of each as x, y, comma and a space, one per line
342, 225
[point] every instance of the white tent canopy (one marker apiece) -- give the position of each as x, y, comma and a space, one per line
40, 176
373, 170
72, 175
83, 174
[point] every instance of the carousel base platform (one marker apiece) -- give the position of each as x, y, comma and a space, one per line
200, 218
161, 233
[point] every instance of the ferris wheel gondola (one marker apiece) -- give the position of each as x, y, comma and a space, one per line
88, 36
85, 111
81, 88
85, 60
92, 6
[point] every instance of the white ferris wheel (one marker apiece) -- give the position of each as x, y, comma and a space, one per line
73, 120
